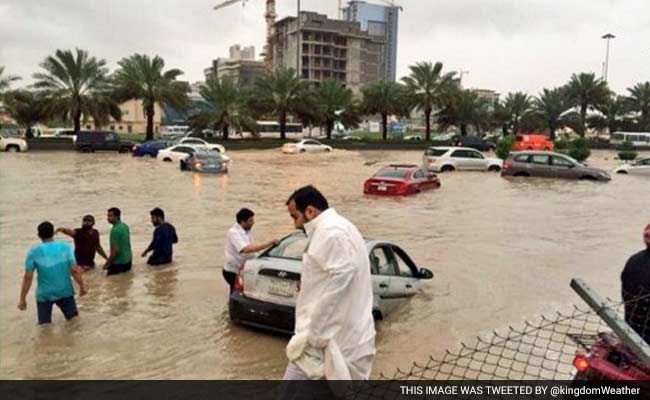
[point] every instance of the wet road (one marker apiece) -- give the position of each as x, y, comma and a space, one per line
501, 251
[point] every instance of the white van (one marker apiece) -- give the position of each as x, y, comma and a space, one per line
171, 131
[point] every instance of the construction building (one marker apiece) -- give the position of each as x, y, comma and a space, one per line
322, 48
241, 66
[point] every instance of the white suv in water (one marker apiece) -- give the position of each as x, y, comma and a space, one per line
266, 287
13, 144
448, 159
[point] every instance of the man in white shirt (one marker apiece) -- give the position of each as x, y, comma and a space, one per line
240, 247
335, 331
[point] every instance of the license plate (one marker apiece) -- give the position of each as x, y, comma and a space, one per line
282, 288
382, 188
210, 165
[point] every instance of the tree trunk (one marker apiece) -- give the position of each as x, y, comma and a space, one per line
226, 131
552, 133
283, 125
463, 129
150, 115
77, 122
427, 118
384, 126
329, 126
583, 120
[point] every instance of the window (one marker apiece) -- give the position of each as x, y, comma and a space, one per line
476, 154
403, 266
183, 149
523, 158
380, 258
312, 143
461, 154
120, 128
540, 159
391, 173
561, 162
111, 137
129, 129
418, 174
435, 152
292, 247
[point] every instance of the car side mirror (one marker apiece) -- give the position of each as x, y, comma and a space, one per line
425, 274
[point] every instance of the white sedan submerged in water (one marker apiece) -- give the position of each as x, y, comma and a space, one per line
639, 167
305, 146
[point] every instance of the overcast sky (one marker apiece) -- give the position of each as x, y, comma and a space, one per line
506, 45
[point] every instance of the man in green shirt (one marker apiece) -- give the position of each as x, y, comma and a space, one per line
119, 260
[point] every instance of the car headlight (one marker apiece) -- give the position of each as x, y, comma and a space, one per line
604, 174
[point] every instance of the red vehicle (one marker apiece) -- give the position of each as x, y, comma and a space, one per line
532, 141
400, 180
609, 360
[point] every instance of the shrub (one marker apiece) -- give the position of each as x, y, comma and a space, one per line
627, 152
504, 147
577, 148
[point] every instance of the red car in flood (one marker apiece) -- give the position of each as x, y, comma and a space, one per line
400, 180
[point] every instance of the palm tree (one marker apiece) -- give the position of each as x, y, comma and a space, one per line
612, 115
550, 107
334, 103
586, 93
225, 106
429, 89
75, 85
515, 108
280, 92
465, 109
5, 80
25, 108
639, 101
385, 98
142, 78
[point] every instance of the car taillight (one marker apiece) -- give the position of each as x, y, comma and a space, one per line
507, 164
581, 363
239, 281
431, 159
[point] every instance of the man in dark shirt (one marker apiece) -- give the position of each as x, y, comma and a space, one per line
164, 236
635, 281
86, 242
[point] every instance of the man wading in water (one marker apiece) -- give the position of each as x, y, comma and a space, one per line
86, 242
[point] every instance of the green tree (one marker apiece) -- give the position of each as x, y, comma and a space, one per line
225, 106
75, 85
550, 107
465, 109
429, 89
5, 81
516, 106
280, 92
639, 101
142, 78
385, 98
25, 108
335, 103
612, 115
586, 93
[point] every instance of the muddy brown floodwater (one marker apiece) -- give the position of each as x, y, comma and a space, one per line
501, 251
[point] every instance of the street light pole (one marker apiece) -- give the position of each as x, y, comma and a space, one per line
298, 49
607, 37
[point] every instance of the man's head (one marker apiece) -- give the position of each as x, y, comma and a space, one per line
87, 222
646, 236
305, 204
157, 216
246, 219
114, 215
46, 231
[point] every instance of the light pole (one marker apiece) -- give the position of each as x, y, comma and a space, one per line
298, 49
461, 73
607, 37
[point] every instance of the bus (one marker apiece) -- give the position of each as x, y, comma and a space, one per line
638, 139
273, 127
171, 131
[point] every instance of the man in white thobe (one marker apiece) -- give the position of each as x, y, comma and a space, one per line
335, 331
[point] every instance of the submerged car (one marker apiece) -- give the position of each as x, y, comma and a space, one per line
305, 146
639, 167
547, 164
205, 161
609, 359
265, 291
400, 180
200, 143
449, 159
13, 144
150, 148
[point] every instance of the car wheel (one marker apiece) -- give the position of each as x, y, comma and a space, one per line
494, 168
167, 159
447, 168
302, 150
622, 172
13, 149
86, 150
522, 174
328, 150
588, 178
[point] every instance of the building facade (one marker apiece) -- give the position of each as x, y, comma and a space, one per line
382, 21
241, 66
322, 48
134, 120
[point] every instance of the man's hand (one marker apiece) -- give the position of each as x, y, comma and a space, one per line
22, 305
144, 254
274, 242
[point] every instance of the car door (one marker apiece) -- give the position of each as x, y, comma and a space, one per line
421, 180
111, 142
561, 167
407, 272
461, 159
641, 167
312, 146
478, 160
385, 271
181, 152
540, 165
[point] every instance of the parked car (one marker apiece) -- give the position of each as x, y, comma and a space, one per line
305, 146
13, 144
448, 159
67, 133
609, 359
474, 142
205, 161
266, 287
400, 180
177, 152
532, 142
150, 148
90, 141
547, 164
198, 142
639, 167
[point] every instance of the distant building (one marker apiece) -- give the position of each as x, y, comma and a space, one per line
487, 94
327, 48
382, 21
241, 66
237, 53
134, 120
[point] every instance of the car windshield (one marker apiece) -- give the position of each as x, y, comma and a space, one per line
392, 173
291, 247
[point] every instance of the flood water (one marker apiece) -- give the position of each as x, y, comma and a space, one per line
501, 250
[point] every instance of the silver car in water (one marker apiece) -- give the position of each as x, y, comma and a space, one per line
547, 164
266, 287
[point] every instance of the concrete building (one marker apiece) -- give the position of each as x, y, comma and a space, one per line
133, 120
378, 20
322, 48
487, 94
237, 53
241, 66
